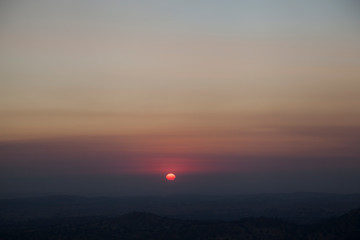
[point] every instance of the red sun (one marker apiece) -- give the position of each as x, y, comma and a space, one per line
170, 176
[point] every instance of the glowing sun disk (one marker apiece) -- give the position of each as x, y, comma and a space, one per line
170, 176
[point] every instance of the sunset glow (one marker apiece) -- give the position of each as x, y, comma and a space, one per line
249, 90
170, 177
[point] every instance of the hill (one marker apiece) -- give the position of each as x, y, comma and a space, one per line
299, 208
139, 225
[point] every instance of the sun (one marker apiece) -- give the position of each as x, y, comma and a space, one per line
170, 176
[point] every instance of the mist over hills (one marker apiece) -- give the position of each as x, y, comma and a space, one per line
139, 225
299, 208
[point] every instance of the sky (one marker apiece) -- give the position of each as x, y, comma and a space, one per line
106, 97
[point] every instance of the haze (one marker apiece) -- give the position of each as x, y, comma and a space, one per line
106, 97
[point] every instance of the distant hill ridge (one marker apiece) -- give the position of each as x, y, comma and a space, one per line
140, 225
300, 208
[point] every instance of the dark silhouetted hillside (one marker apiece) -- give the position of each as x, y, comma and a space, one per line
139, 225
300, 208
